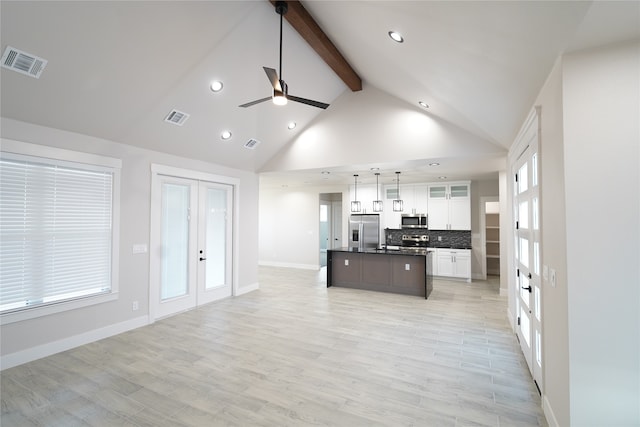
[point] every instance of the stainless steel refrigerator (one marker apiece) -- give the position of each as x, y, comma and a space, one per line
364, 231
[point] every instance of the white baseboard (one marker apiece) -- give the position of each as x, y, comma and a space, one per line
24, 356
246, 289
548, 412
289, 265
511, 320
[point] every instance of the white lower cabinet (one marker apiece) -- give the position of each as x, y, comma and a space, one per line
453, 263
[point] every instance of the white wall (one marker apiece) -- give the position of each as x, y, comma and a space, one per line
555, 331
372, 126
290, 225
55, 332
601, 111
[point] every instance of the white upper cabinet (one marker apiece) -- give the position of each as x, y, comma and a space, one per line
449, 206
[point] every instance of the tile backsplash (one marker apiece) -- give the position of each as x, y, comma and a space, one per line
437, 238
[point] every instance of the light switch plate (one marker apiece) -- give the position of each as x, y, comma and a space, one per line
553, 277
346, 262
545, 272
407, 267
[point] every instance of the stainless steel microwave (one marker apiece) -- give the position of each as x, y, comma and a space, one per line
414, 221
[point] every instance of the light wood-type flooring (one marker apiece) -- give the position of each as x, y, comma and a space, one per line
293, 353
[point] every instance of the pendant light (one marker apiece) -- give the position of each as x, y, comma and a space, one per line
355, 205
377, 204
397, 204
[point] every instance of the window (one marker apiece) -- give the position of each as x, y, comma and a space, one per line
58, 227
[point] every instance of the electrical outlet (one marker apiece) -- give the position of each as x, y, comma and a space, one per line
439, 238
135, 306
407, 267
346, 262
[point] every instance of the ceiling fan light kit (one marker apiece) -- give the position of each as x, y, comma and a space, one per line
280, 89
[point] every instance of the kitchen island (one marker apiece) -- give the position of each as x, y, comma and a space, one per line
401, 271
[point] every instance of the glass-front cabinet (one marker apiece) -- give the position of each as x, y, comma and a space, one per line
449, 206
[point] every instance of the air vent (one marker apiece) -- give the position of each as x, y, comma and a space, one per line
251, 144
22, 62
176, 117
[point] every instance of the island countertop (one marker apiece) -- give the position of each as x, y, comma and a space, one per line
381, 251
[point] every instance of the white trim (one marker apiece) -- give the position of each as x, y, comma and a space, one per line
510, 316
548, 412
289, 265
504, 292
249, 288
46, 310
24, 356
45, 151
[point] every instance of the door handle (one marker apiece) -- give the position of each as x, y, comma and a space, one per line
528, 288
202, 259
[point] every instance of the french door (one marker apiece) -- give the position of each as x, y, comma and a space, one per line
193, 244
527, 259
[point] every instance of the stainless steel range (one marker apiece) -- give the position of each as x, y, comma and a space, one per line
415, 243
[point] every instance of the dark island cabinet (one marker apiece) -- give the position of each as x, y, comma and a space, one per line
393, 271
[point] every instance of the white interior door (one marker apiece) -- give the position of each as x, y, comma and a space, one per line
527, 254
214, 241
194, 244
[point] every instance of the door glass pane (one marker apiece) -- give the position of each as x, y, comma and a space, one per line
534, 170
524, 326
175, 241
536, 258
523, 179
536, 293
538, 348
534, 213
523, 215
524, 292
524, 251
216, 242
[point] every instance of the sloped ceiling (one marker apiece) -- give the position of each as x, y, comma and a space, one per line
116, 69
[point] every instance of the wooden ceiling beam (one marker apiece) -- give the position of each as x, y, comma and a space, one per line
307, 27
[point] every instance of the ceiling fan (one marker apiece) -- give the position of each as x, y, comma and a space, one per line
280, 88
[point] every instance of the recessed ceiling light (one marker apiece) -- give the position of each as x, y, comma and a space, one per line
216, 86
225, 135
434, 164
291, 125
423, 104
325, 172
396, 36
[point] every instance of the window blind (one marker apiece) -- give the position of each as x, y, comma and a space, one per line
55, 231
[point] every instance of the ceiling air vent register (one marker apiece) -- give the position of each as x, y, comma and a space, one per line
251, 144
23, 62
176, 117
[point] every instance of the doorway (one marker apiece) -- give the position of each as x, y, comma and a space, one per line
330, 235
492, 237
191, 243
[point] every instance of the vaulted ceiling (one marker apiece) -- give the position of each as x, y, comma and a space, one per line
116, 69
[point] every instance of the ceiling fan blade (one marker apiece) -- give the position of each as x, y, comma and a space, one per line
258, 101
308, 102
273, 78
